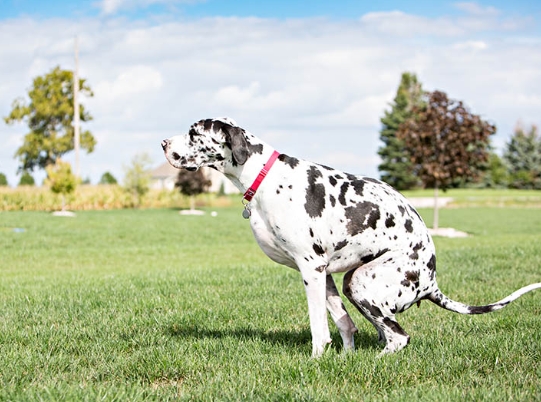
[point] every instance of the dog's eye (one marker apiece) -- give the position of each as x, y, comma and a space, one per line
175, 156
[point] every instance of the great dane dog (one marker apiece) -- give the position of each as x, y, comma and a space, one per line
322, 221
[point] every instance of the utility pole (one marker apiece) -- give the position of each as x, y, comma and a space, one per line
76, 139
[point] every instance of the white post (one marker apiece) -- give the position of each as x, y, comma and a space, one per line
76, 139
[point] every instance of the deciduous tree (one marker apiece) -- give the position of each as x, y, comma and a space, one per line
137, 178
192, 184
49, 116
61, 180
446, 143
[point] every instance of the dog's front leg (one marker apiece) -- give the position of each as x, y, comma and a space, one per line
315, 284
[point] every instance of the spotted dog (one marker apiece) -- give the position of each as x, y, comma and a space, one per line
321, 221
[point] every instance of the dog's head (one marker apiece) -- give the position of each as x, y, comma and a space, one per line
210, 142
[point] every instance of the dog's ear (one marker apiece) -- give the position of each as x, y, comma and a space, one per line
234, 136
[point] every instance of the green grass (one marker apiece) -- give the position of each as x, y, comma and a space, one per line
148, 305
485, 197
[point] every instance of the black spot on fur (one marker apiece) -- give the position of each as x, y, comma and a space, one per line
315, 194
332, 200
340, 245
332, 180
321, 268
288, 160
343, 190
326, 167
431, 265
415, 255
412, 278
482, 309
401, 209
358, 186
207, 124
389, 222
395, 327
369, 179
371, 257
318, 249
415, 212
408, 225
373, 310
254, 149
362, 216
311, 233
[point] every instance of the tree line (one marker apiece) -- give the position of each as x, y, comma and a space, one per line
428, 140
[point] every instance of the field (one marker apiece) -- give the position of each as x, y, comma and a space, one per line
148, 305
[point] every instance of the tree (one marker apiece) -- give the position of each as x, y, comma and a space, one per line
137, 178
49, 116
523, 157
26, 180
61, 180
192, 184
108, 178
496, 175
3, 180
446, 143
396, 168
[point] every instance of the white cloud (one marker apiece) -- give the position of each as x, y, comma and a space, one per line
476, 9
136, 80
471, 45
314, 88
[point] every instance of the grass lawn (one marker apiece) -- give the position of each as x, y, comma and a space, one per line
148, 305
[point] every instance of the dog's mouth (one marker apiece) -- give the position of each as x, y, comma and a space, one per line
191, 168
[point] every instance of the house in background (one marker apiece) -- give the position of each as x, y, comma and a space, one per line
165, 175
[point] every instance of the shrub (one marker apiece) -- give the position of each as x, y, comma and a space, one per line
3, 180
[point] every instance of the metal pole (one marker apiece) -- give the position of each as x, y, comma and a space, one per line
76, 139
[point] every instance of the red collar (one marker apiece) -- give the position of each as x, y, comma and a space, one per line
249, 194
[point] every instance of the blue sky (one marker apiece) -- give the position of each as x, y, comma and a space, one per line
312, 78
341, 9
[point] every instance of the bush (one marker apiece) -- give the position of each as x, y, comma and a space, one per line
3, 180
98, 197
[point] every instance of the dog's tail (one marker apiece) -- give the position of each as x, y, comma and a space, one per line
443, 301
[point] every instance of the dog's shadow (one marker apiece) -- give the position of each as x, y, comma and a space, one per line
285, 338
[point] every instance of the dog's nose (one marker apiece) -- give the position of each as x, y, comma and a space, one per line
165, 144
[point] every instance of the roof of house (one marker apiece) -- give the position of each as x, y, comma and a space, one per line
163, 171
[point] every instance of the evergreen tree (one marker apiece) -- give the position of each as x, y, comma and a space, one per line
396, 168
3, 180
523, 157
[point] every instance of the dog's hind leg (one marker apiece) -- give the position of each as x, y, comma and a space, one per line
340, 315
377, 305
